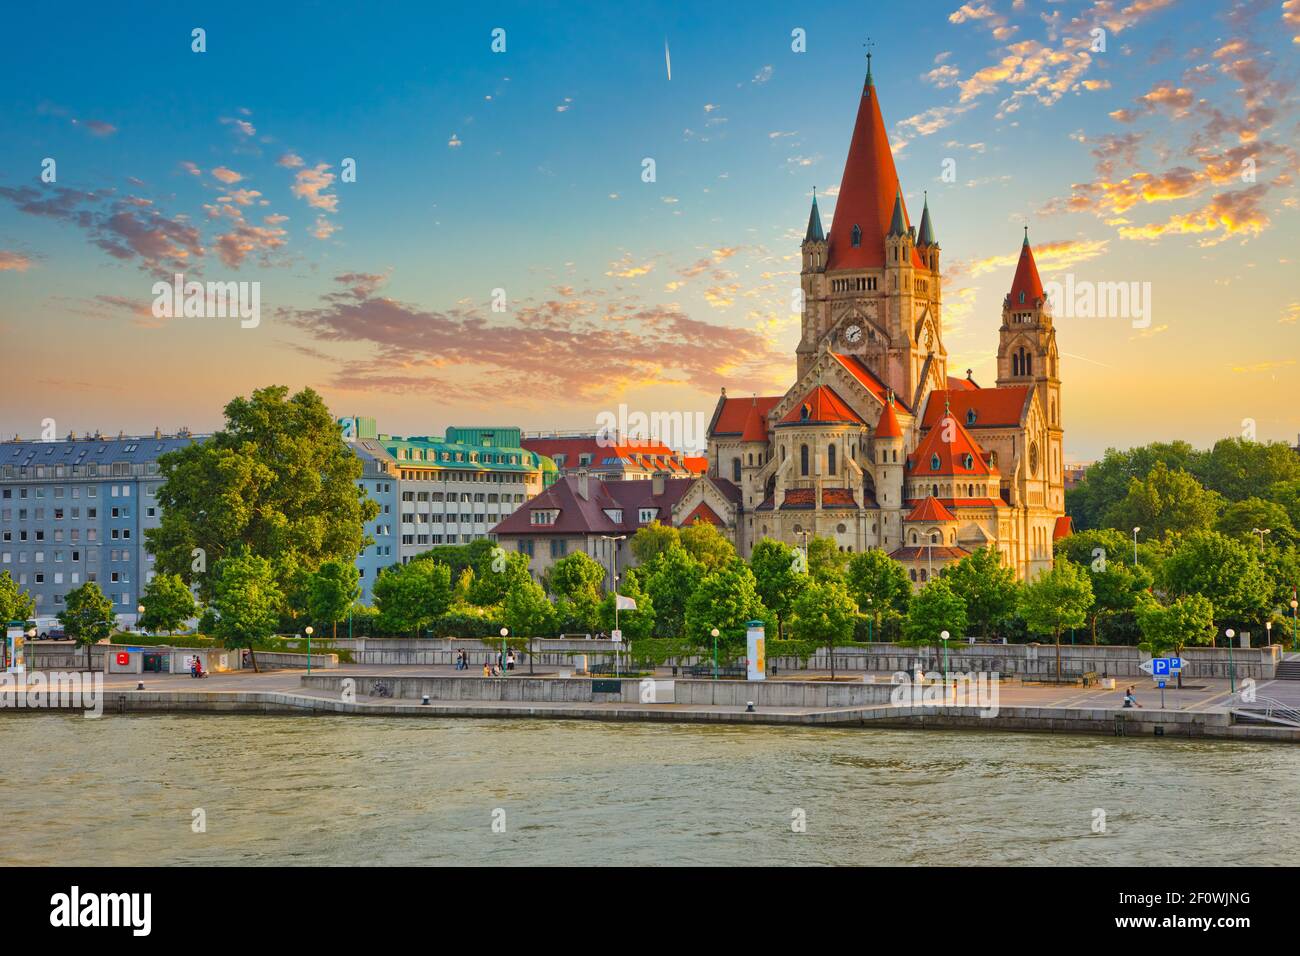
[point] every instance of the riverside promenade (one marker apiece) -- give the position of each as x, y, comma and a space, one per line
1203, 709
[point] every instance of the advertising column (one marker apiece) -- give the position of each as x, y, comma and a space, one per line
755, 651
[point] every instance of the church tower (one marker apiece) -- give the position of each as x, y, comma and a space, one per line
871, 288
1027, 356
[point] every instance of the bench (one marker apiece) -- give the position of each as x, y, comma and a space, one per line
1090, 679
737, 671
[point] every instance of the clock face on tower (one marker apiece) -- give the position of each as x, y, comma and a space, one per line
853, 334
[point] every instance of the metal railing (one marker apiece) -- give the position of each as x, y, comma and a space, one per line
1269, 710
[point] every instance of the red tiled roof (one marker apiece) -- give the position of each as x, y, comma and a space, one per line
1064, 527
931, 509
888, 426
1026, 279
961, 384
838, 498
952, 455
696, 464
733, 413
875, 386
994, 407
868, 189
587, 516
823, 406
634, 453
799, 498
703, 513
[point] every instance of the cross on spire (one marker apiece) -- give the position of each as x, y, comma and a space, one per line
868, 45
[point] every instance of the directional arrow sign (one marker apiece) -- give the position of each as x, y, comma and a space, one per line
1145, 667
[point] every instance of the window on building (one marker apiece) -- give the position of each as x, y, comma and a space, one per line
803, 460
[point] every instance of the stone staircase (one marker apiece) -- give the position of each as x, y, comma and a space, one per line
1289, 669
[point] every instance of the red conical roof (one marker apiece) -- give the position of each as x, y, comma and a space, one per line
1026, 280
755, 424
931, 509
888, 426
868, 189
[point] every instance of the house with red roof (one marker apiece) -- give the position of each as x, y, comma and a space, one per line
875, 445
613, 457
581, 512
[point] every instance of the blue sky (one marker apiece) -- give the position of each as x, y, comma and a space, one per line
522, 171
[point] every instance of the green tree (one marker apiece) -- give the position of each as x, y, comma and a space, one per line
1116, 588
1224, 571
87, 616
726, 599
826, 562
1165, 501
778, 583
988, 588
879, 584
167, 604
824, 613
528, 613
277, 481
1240, 469
246, 600
1095, 547
412, 596
1171, 627
1055, 600
1241, 518
653, 539
707, 545
579, 614
1106, 483
334, 588
497, 573
670, 579
15, 603
575, 576
934, 609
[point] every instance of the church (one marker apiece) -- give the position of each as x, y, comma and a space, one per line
875, 445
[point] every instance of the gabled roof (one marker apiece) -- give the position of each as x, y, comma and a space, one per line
702, 512
578, 515
732, 414
994, 407
961, 456
931, 509
1026, 280
821, 405
875, 386
868, 190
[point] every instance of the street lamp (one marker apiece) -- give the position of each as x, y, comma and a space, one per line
1261, 532
616, 538
1135, 546
505, 632
871, 620
943, 636
139, 613
1232, 668
1268, 630
714, 632
1293, 625
308, 631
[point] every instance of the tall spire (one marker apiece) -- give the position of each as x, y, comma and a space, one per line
1026, 287
814, 233
868, 45
925, 234
868, 192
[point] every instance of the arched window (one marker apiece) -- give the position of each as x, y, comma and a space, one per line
1015, 364
934, 462
968, 462
1022, 296
913, 537
1029, 364
923, 575
803, 460
830, 459
934, 490
735, 470
857, 236
912, 574
971, 416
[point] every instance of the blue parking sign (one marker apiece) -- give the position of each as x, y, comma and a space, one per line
1160, 667
1175, 665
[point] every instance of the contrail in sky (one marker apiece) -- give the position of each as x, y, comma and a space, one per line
668, 60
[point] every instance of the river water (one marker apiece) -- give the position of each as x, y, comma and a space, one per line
371, 791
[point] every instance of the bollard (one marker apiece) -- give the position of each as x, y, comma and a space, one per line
425, 700
139, 685
749, 707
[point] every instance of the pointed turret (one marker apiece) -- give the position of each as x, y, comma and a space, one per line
896, 222
814, 233
1026, 287
925, 234
888, 426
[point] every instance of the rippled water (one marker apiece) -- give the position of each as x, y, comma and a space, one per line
369, 791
